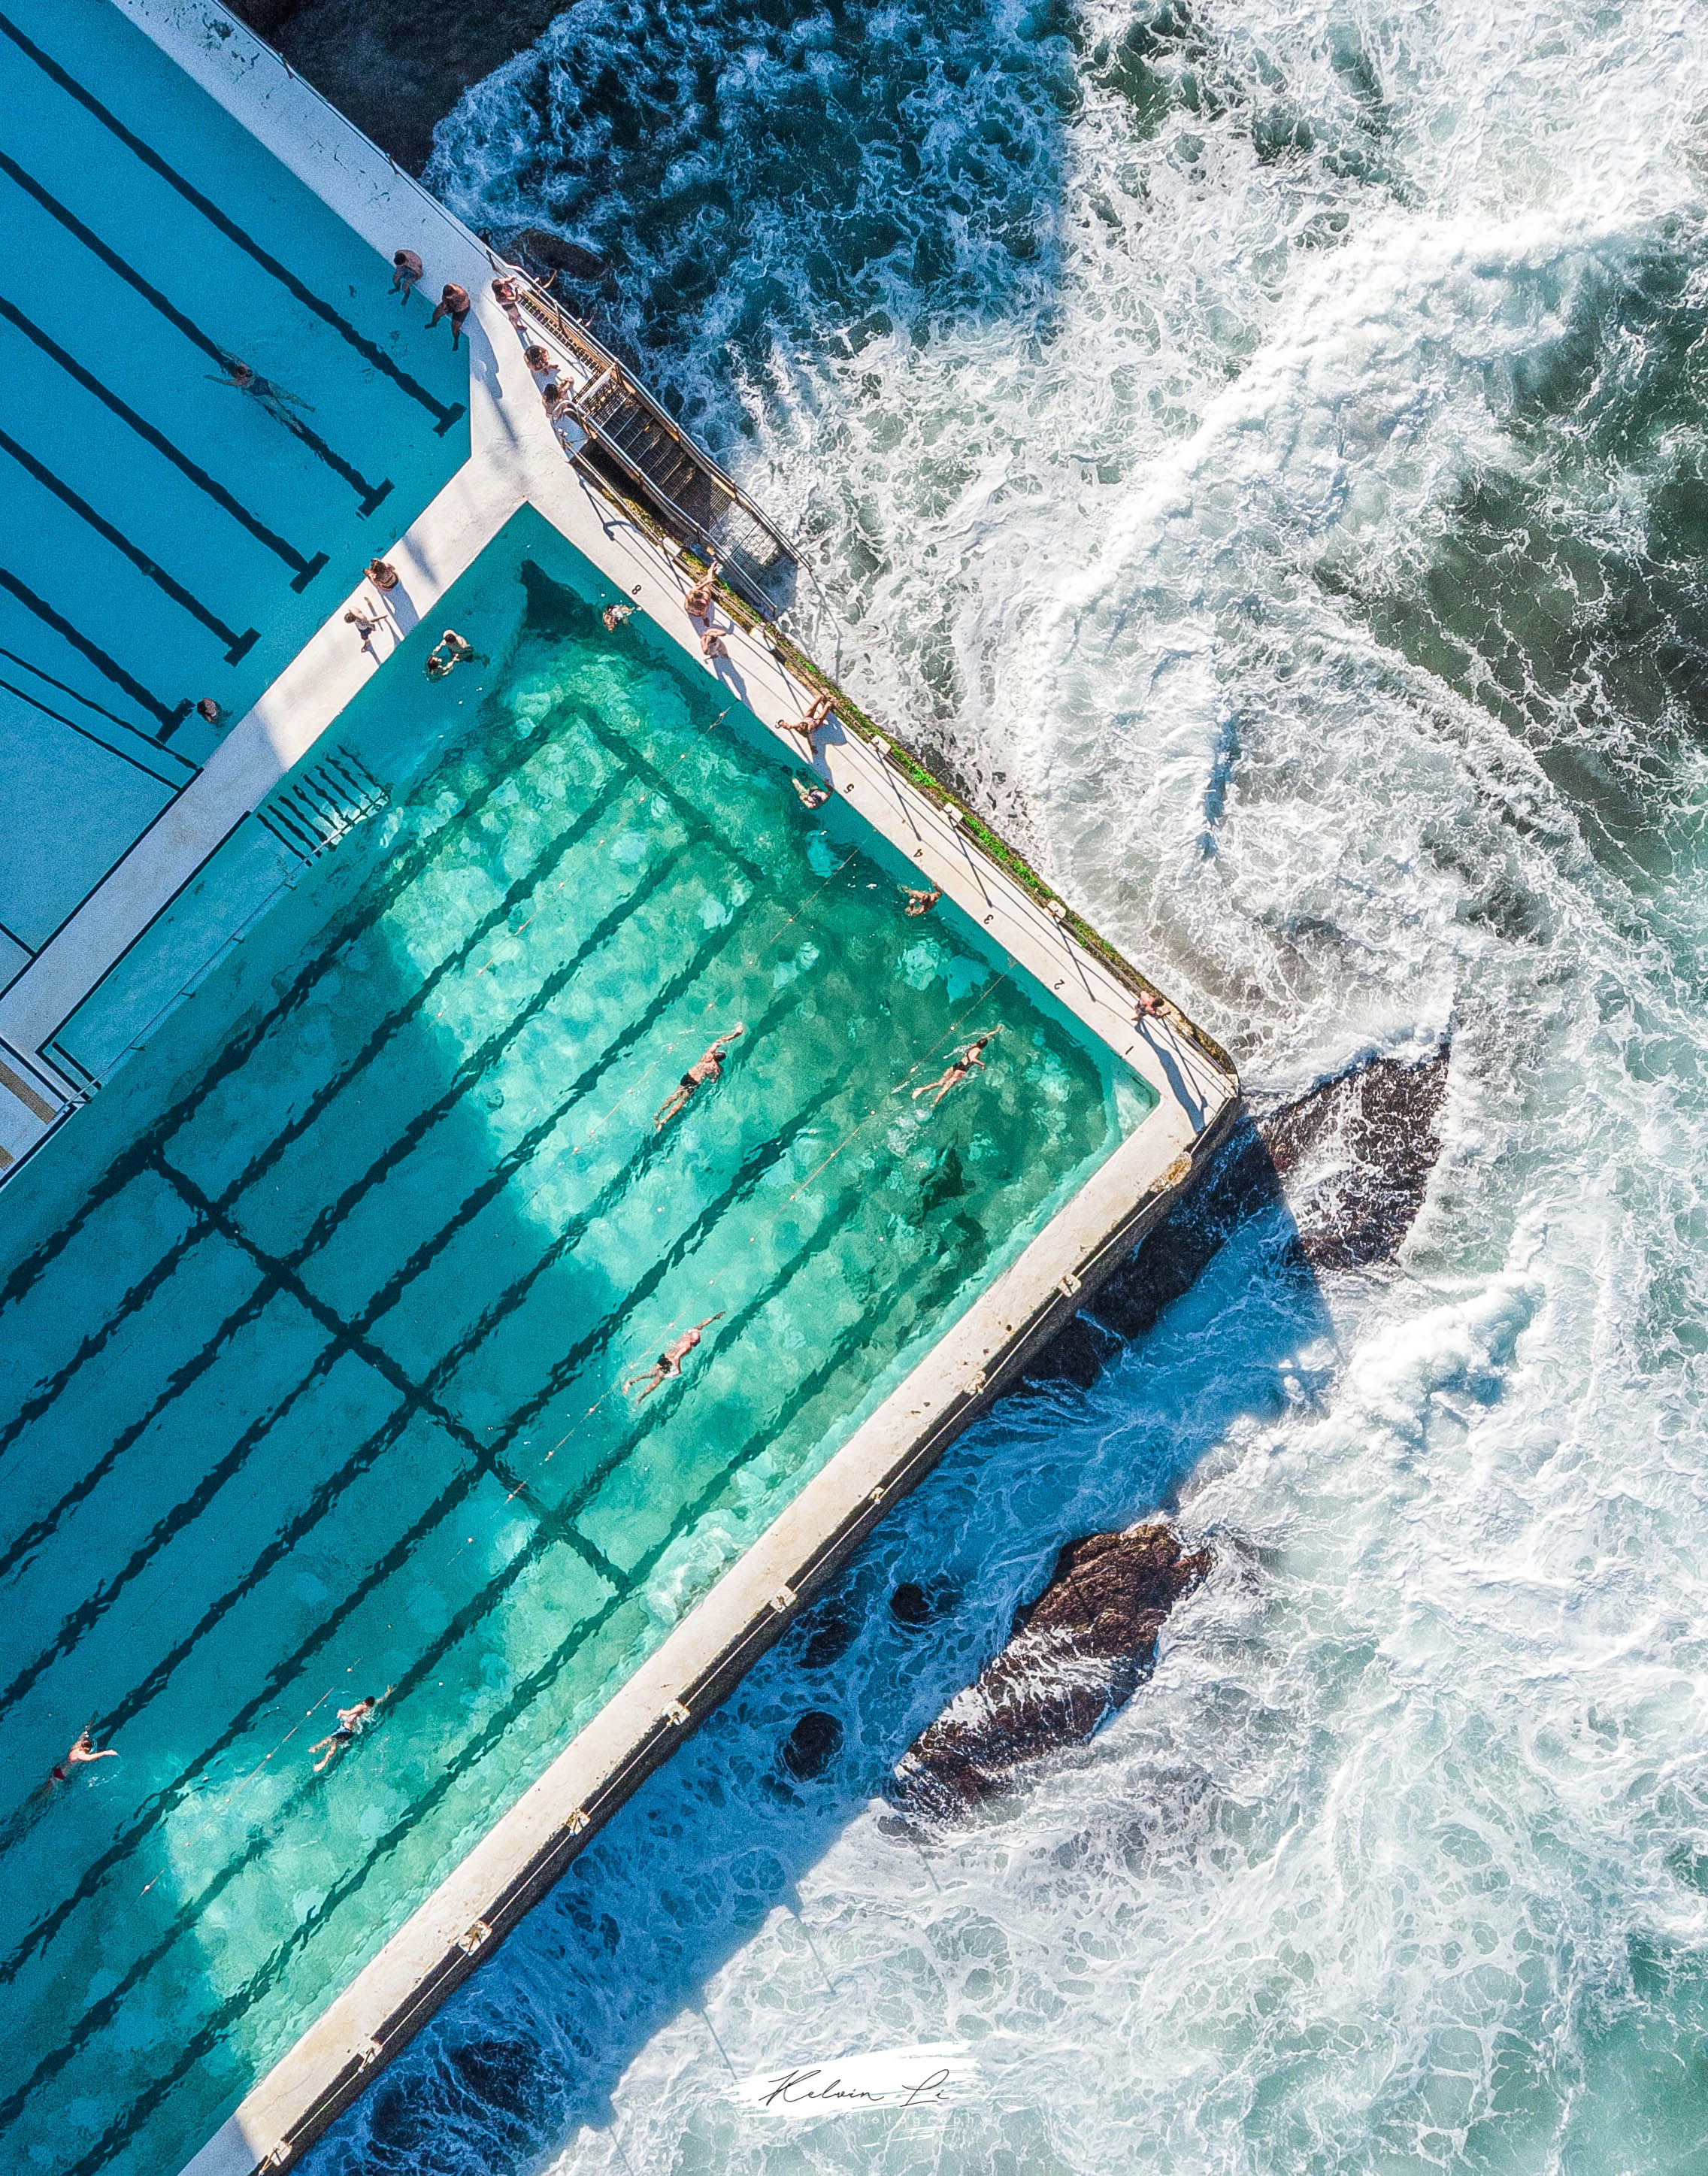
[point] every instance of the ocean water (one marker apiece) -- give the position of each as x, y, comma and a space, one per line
1261, 449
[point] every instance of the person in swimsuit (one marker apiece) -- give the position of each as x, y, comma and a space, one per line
382, 573
82, 1750
365, 625
812, 796
504, 294
449, 651
209, 711
698, 601
919, 902
280, 405
711, 644
618, 615
966, 1061
407, 269
351, 1723
452, 303
815, 719
708, 1067
669, 1362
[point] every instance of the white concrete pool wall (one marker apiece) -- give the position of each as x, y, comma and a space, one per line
516, 458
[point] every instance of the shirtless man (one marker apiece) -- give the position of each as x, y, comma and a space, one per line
708, 1067
82, 1750
812, 796
280, 405
966, 1061
365, 625
711, 644
669, 1362
504, 295
919, 902
351, 1723
452, 303
698, 601
450, 651
407, 270
816, 718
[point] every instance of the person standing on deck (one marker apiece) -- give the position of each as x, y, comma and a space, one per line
504, 294
669, 1362
708, 1067
966, 1061
452, 303
407, 270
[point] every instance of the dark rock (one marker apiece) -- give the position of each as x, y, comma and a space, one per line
1076, 1354
813, 1744
541, 252
1077, 1654
396, 66
828, 1633
1351, 1161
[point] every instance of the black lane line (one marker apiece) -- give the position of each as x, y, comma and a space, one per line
378, 895
306, 569
237, 646
363, 1348
370, 493
99, 710
109, 667
229, 227
140, 1293
539, 1681
124, 755
391, 1025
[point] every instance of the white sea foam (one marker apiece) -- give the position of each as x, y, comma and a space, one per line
1287, 539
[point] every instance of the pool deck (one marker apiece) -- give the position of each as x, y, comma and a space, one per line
517, 458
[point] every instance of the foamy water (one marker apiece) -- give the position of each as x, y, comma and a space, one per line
1264, 456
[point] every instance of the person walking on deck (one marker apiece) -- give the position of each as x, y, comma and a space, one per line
668, 1363
966, 1061
504, 295
407, 270
708, 1066
351, 1723
82, 1750
452, 303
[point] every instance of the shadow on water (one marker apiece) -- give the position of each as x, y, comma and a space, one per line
712, 1849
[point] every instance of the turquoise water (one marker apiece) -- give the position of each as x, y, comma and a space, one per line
319, 1332
118, 293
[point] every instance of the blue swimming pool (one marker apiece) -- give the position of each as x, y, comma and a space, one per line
320, 1319
169, 537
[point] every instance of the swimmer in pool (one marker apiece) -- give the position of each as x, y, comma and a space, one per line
669, 1362
280, 405
966, 1061
919, 902
614, 616
812, 796
351, 1723
708, 1067
82, 1750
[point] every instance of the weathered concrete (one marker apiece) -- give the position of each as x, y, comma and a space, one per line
1076, 1654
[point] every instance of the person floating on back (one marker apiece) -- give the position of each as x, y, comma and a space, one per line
452, 303
919, 902
965, 1063
351, 1723
708, 1067
407, 269
669, 1362
82, 1751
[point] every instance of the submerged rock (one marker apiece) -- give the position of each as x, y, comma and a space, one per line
812, 1745
1076, 1654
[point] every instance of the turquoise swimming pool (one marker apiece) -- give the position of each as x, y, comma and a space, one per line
319, 1319
167, 537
